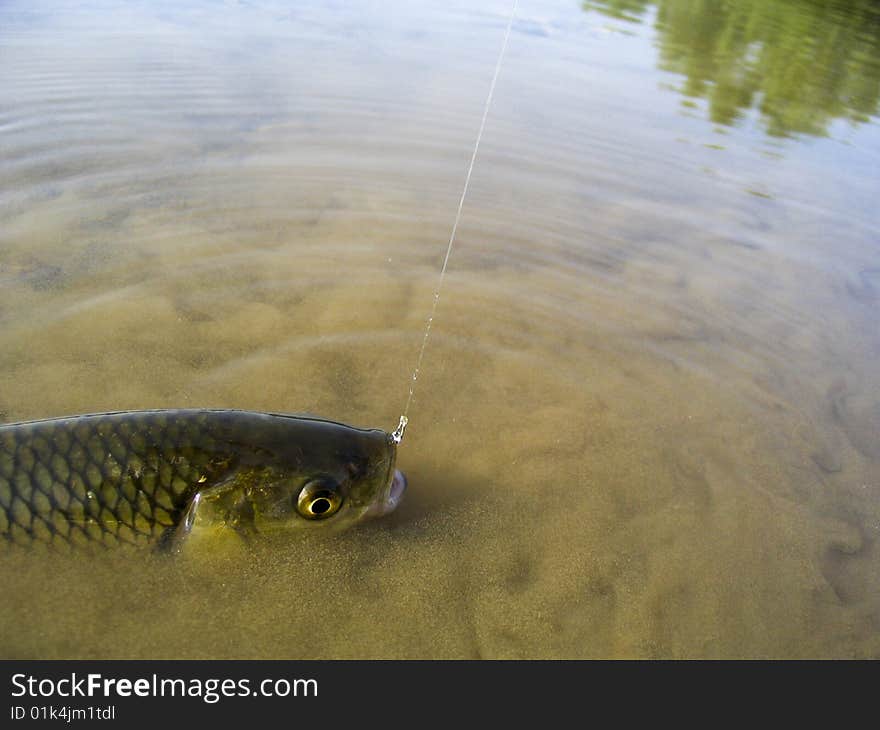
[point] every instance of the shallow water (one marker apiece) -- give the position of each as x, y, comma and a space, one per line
648, 418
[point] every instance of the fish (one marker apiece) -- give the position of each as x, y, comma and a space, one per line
146, 478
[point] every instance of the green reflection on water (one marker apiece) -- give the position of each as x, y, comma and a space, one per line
800, 63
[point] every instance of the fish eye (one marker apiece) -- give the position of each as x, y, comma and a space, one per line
318, 499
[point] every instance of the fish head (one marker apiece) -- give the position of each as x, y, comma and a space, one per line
312, 474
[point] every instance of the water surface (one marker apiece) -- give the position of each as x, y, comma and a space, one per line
648, 418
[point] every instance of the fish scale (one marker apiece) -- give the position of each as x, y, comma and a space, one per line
87, 479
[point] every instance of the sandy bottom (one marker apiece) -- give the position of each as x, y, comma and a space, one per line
571, 494
648, 418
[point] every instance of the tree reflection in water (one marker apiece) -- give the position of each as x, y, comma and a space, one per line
800, 63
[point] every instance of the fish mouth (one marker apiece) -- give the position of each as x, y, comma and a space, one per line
396, 489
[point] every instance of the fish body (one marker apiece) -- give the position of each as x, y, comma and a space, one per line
146, 477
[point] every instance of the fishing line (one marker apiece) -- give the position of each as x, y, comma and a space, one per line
398, 434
